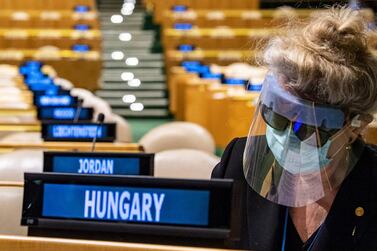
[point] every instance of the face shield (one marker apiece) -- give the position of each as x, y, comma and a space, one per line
297, 151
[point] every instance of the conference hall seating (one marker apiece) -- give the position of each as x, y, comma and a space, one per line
209, 48
50, 62
64, 35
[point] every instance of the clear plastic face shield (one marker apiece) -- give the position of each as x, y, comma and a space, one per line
296, 151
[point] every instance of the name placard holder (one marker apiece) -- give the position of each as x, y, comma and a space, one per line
99, 163
132, 208
64, 113
54, 100
78, 132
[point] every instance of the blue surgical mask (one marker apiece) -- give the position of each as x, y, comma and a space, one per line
294, 155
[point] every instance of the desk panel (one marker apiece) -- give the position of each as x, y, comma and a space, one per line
16, 243
71, 146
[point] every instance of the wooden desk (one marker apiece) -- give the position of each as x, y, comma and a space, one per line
56, 19
70, 146
160, 6
66, 64
20, 127
36, 38
18, 112
218, 38
219, 57
17, 243
234, 18
44, 4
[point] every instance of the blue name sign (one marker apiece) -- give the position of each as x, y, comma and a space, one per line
78, 132
44, 88
81, 8
92, 165
80, 48
130, 204
179, 8
81, 27
99, 163
109, 206
54, 100
64, 113
235, 81
183, 26
39, 80
186, 47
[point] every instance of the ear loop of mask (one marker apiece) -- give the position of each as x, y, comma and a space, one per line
354, 123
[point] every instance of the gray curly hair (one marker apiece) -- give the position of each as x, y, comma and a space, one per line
328, 61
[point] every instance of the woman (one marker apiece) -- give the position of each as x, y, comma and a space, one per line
310, 181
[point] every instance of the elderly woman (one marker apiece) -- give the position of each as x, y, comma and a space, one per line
310, 181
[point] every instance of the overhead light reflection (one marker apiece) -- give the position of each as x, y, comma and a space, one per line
126, 12
125, 36
137, 107
117, 55
128, 99
134, 82
116, 19
132, 61
127, 76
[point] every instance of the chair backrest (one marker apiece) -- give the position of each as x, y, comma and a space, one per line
10, 210
34, 137
178, 135
8, 70
185, 163
13, 165
65, 83
123, 131
99, 105
48, 52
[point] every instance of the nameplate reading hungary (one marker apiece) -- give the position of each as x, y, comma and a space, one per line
127, 204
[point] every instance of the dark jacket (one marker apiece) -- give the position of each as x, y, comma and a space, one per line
262, 220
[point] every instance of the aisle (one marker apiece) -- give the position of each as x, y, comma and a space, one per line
133, 80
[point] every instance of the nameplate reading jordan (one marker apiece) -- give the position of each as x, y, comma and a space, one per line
65, 113
80, 131
82, 202
99, 163
54, 100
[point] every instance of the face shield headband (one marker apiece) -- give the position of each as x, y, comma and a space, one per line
294, 148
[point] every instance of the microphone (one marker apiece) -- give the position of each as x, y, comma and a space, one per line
100, 120
78, 111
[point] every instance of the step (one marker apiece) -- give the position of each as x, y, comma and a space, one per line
155, 102
112, 64
135, 38
130, 18
123, 86
133, 53
137, 71
111, 45
126, 21
136, 32
142, 78
146, 113
138, 94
